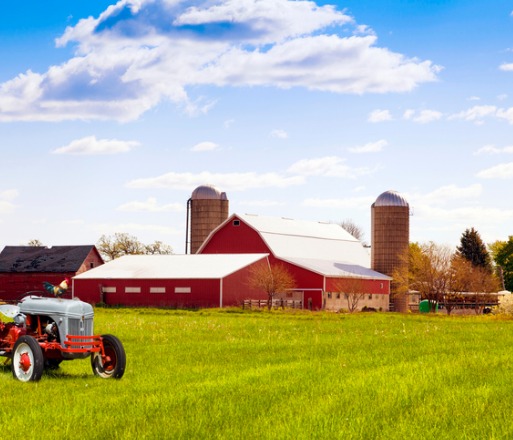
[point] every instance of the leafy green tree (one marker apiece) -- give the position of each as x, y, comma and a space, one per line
125, 244
502, 252
473, 249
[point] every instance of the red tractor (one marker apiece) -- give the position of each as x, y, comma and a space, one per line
43, 332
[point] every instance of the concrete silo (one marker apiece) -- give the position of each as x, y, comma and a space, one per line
206, 210
390, 217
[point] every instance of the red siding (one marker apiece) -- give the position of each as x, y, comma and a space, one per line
203, 292
241, 238
231, 239
14, 286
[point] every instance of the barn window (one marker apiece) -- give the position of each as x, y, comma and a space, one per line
132, 290
381, 285
338, 295
236, 222
370, 295
157, 290
182, 290
329, 295
108, 289
91, 265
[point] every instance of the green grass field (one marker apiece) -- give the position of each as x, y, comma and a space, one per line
230, 375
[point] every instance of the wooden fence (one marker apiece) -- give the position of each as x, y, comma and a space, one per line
275, 304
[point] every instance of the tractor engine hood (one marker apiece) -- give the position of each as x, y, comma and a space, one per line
73, 308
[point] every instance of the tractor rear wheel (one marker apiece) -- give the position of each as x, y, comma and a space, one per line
27, 359
112, 365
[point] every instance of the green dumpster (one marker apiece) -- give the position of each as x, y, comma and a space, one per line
425, 306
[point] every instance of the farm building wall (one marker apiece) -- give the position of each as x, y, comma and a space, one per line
236, 288
16, 285
231, 290
374, 293
174, 293
235, 237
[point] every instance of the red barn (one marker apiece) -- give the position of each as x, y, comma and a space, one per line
329, 265
24, 268
181, 281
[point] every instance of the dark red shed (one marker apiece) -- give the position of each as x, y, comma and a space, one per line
24, 268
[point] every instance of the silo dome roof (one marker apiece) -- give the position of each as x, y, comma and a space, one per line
391, 198
207, 192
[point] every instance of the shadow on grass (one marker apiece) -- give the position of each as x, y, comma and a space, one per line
49, 373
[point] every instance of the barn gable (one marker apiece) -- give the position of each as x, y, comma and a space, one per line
286, 239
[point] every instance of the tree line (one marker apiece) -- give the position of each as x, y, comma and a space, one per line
473, 272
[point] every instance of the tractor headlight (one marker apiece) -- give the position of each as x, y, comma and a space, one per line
19, 320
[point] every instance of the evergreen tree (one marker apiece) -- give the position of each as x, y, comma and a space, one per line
473, 249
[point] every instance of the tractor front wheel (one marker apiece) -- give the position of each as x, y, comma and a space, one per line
27, 359
112, 365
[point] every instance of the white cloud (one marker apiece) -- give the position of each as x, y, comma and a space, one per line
507, 67
476, 113
228, 123
447, 194
330, 166
138, 53
150, 205
280, 134
501, 171
491, 149
260, 203
348, 203
6, 198
205, 146
371, 147
422, 116
379, 116
91, 146
229, 181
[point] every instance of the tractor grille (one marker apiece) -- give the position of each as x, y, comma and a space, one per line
79, 327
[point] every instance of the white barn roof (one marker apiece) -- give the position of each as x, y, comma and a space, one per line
196, 266
291, 239
330, 268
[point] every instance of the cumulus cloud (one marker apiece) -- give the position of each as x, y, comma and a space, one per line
229, 181
205, 146
91, 146
491, 149
6, 200
150, 205
329, 166
501, 171
380, 116
371, 147
280, 134
422, 116
138, 53
448, 194
346, 203
507, 67
296, 174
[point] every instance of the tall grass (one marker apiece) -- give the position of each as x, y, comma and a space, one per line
229, 375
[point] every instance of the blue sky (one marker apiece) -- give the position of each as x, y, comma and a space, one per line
111, 113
